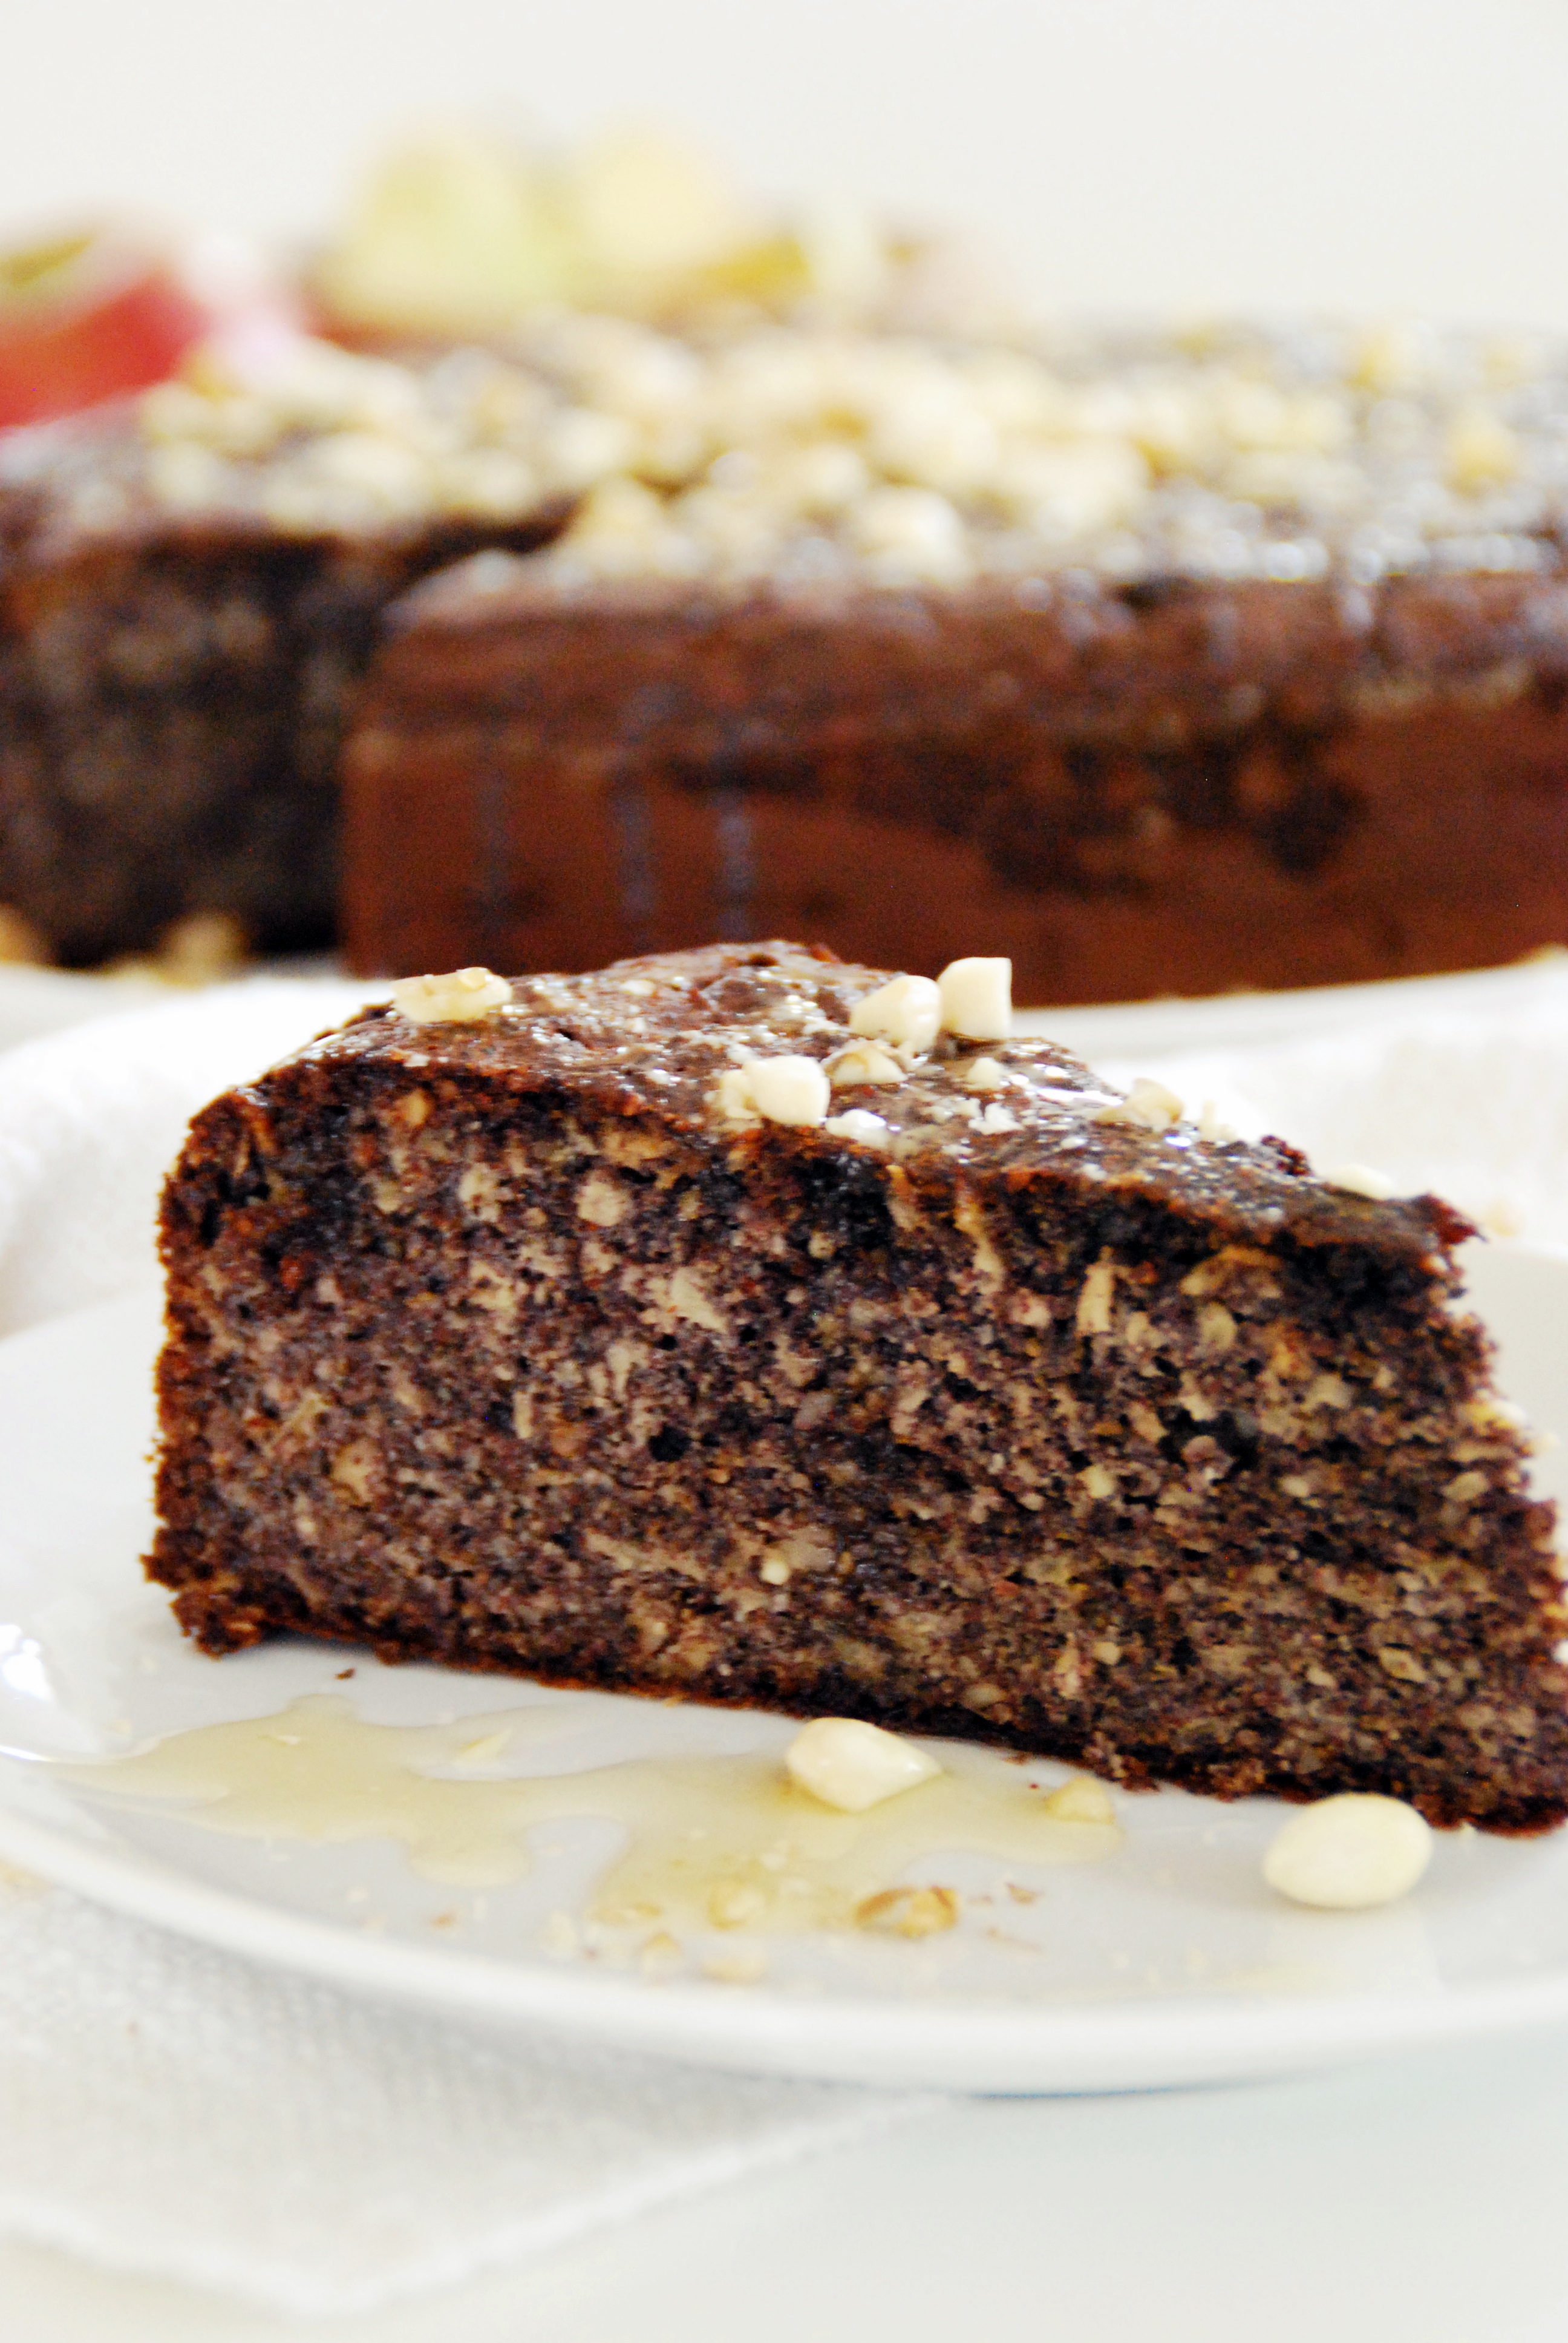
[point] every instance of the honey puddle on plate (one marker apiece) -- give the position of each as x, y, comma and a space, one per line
726, 1842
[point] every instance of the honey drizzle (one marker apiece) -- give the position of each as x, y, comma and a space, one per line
712, 1842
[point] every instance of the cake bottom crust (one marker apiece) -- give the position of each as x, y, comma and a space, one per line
229, 1616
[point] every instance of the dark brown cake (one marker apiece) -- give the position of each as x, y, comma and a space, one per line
1174, 787
597, 1337
173, 689
1165, 663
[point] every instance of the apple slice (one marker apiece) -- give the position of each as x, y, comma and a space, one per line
89, 316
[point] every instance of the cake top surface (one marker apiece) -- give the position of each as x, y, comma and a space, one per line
690, 1038
810, 453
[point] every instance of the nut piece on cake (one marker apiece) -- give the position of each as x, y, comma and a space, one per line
513, 1343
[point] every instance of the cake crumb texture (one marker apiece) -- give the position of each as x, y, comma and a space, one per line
505, 1344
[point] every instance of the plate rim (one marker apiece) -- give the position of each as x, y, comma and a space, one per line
932, 2042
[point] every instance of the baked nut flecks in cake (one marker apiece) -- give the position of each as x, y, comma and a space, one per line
506, 1343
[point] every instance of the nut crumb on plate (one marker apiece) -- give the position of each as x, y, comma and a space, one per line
1350, 1854
909, 1912
853, 1765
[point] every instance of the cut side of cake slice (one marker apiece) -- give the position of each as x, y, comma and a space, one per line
742, 1326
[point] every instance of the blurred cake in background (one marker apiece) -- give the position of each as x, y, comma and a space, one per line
787, 585
1166, 665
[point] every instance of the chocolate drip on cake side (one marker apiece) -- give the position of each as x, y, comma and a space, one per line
1224, 785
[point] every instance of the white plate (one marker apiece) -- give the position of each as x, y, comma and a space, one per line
1168, 1962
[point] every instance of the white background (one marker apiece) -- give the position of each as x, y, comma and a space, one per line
1365, 154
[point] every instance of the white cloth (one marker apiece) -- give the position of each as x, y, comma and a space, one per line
169, 2109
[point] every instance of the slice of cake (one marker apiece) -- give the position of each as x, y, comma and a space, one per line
743, 1327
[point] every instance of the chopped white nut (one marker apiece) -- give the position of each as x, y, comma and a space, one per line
1216, 1327
985, 1074
789, 1090
996, 1119
1348, 1854
853, 1765
909, 1912
977, 998
185, 475
736, 1902
1359, 1179
199, 949
910, 537
1392, 358
1481, 451
733, 1098
869, 1129
1489, 1410
1148, 1105
1210, 1127
834, 448
1081, 1801
907, 1011
862, 1063
1466, 1487
456, 999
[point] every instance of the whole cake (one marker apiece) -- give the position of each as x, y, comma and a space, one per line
1165, 663
740, 1325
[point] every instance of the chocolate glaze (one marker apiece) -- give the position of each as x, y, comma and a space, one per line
660, 1051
